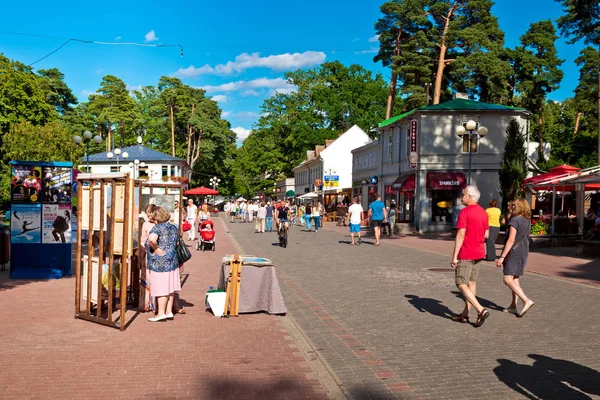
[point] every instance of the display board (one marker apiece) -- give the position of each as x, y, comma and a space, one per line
41, 214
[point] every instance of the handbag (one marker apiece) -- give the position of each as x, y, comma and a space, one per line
183, 253
186, 226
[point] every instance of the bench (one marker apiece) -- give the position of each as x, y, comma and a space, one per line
588, 248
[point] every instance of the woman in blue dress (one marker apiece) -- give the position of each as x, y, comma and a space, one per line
162, 261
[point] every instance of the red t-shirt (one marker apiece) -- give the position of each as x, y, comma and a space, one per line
474, 220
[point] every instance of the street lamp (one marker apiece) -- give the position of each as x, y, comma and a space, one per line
117, 153
214, 181
135, 167
87, 137
471, 126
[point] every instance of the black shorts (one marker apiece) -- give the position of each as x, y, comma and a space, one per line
377, 222
232, 213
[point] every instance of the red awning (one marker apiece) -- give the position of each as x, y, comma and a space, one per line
201, 191
446, 180
404, 183
559, 172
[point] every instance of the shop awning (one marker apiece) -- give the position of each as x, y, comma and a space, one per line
446, 180
404, 183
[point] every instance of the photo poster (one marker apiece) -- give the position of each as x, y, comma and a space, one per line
25, 223
57, 185
26, 184
56, 223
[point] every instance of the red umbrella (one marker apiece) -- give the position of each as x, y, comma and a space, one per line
201, 191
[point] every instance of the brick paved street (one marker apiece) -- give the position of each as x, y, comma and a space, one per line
381, 320
47, 354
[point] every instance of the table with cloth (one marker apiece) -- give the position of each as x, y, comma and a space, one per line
259, 289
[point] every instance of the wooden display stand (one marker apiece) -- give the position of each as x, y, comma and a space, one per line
234, 280
108, 204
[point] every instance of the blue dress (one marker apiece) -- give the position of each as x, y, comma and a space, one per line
168, 235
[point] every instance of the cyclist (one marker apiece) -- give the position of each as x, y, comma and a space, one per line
283, 215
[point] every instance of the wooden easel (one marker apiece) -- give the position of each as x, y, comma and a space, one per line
234, 280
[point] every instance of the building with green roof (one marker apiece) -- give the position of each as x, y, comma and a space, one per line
426, 187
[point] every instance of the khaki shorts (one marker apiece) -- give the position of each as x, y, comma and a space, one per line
466, 271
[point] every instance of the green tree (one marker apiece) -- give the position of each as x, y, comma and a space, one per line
116, 113
513, 168
538, 72
61, 96
401, 44
582, 22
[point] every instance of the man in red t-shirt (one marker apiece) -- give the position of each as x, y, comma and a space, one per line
469, 249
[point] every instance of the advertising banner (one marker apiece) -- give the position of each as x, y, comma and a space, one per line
56, 223
26, 184
331, 180
413, 141
25, 223
57, 185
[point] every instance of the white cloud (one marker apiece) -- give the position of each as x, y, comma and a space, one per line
87, 93
286, 90
246, 114
250, 93
280, 62
220, 98
371, 50
151, 36
118, 38
133, 87
242, 133
225, 114
276, 83
374, 39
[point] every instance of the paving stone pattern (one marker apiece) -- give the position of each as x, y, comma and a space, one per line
47, 354
381, 320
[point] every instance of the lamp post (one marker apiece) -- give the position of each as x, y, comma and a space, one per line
87, 137
214, 181
135, 167
117, 153
427, 86
480, 132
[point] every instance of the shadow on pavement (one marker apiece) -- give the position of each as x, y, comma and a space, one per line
490, 305
549, 378
431, 306
224, 388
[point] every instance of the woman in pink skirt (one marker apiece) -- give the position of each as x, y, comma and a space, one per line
145, 300
163, 264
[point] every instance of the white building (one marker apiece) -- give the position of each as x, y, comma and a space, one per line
141, 162
330, 165
427, 191
284, 188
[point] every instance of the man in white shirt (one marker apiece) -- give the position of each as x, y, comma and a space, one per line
355, 219
192, 213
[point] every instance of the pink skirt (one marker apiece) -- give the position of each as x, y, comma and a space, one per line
164, 283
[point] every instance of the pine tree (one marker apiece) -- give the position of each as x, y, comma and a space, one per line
513, 168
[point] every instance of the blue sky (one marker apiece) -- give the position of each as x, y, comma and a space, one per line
236, 50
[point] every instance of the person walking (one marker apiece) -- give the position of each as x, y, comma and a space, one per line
269, 217
392, 214
243, 210
377, 215
308, 216
163, 264
493, 213
354, 218
469, 249
260, 218
191, 215
513, 257
316, 214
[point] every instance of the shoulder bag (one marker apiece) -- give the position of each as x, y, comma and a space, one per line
183, 253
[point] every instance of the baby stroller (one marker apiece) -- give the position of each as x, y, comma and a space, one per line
207, 236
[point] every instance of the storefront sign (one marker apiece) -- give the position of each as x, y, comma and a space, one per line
446, 180
318, 182
413, 141
331, 181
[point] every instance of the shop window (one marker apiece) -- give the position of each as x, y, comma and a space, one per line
115, 169
143, 172
165, 170
442, 206
390, 194
372, 193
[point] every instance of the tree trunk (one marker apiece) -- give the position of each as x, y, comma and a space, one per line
540, 131
122, 130
437, 90
109, 137
189, 138
579, 113
391, 95
598, 111
172, 130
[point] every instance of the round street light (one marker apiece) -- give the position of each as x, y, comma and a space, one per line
87, 137
471, 126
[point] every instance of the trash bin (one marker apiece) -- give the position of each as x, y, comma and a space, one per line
4, 246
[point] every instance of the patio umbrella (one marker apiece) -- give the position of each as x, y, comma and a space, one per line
310, 195
201, 191
290, 193
241, 199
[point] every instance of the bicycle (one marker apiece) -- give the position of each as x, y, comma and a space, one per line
282, 233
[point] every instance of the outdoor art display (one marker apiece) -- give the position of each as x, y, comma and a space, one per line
57, 223
57, 185
25, 224
26, 184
